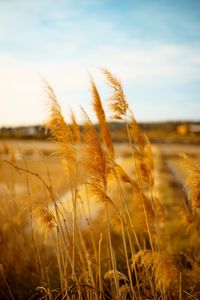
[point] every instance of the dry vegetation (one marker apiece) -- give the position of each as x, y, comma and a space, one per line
96, 221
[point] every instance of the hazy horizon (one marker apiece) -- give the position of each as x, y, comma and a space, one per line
110, 121
152, 46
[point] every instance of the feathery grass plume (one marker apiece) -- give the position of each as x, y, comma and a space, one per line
190, 221
163, 267
119, 106
60, 131
56, 122
136, 133
140, 199
98, 192
75, 129
186, 218
159, 210
123, 176
98, 108
118, 103
95, 157
115, 223
192, 180
139, 196
144, 163
95, 163
120, 276
143, 203
142, 151
46, 220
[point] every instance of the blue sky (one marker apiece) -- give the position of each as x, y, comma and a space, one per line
153, 46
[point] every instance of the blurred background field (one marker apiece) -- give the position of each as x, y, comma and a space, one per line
157, 132
18, 189
40, 156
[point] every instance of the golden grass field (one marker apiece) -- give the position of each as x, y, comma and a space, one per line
83, 218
